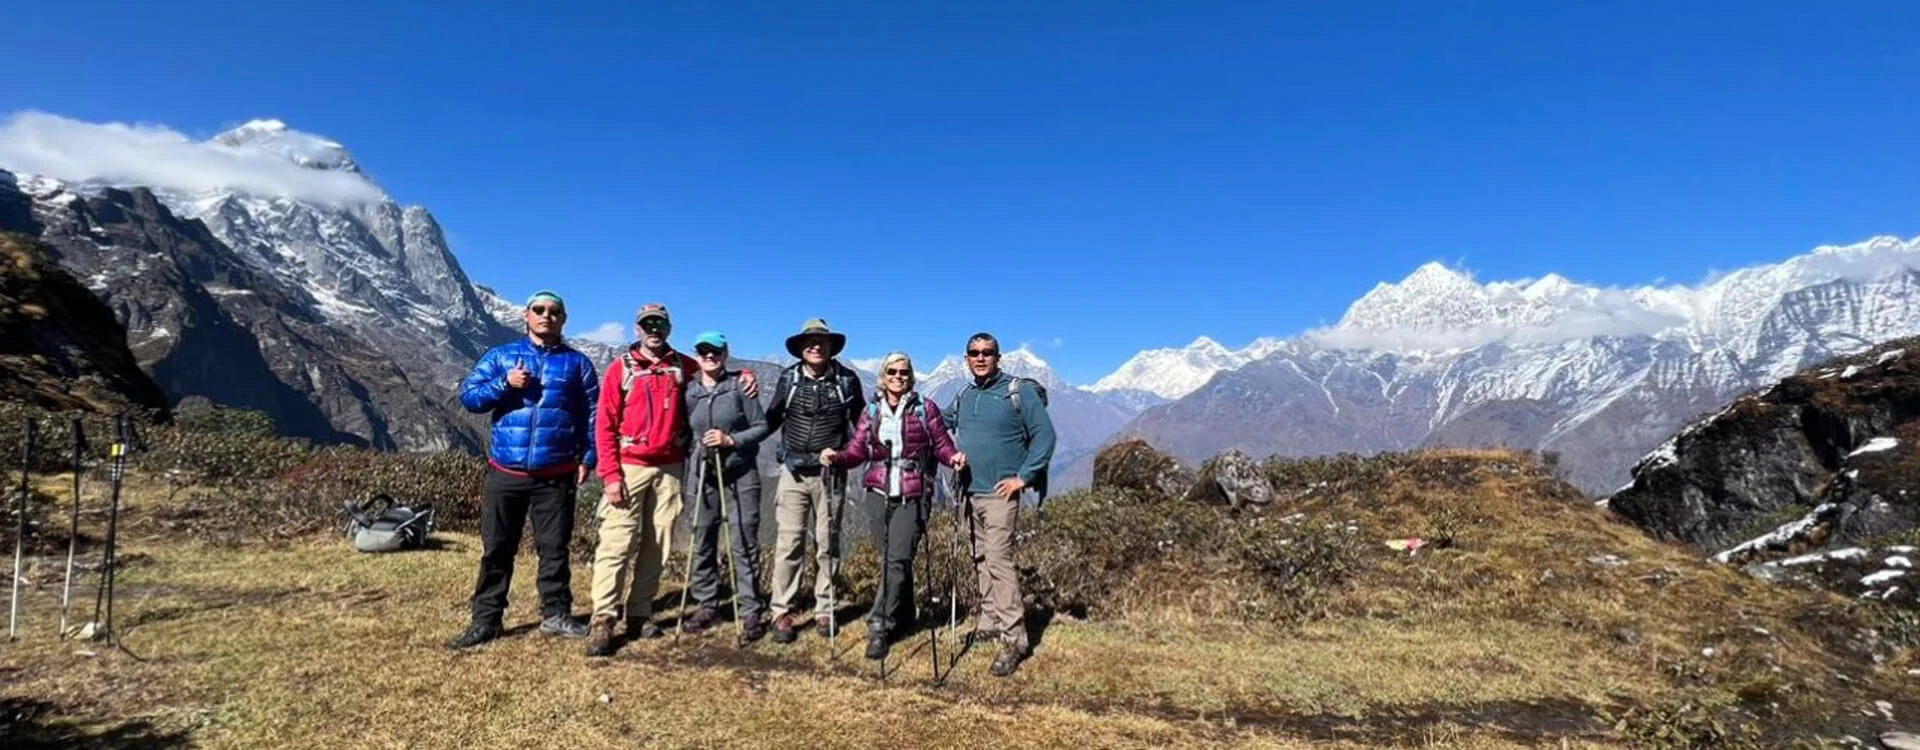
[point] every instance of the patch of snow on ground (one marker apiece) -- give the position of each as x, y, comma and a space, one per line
1875, 446
1780, 535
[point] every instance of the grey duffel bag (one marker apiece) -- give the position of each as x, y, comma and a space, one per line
382, 525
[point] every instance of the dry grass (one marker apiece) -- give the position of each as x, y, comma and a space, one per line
1474, 645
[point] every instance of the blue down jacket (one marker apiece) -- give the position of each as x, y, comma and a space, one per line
546, 426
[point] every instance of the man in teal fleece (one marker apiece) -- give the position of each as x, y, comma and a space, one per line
1006, 450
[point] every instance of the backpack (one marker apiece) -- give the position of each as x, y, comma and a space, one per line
391, 528
844, 382
1039, 483
631, 368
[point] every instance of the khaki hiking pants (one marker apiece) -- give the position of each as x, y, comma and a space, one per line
637, 536
800, 498
1001, 607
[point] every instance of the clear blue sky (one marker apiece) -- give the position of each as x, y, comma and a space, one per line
1108, 176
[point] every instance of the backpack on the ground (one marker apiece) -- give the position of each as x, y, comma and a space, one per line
1039, 483
381, 524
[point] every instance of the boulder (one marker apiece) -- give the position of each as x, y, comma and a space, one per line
1135, 465
1233, 479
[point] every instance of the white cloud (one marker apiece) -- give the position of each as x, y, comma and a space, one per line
611, 333
158, 157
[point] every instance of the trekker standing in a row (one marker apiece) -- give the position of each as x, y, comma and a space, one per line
727, 422
539, 394
900, 436
814, 407
1001, 424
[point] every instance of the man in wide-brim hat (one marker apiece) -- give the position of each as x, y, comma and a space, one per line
814, 406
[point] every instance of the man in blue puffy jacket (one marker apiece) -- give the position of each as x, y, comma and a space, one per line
540, 394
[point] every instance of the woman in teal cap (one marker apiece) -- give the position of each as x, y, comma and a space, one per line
727, 425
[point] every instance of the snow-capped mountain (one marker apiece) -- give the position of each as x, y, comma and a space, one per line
1172, 373
274, 273
1599, 375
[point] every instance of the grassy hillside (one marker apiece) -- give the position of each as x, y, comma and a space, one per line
1529, 618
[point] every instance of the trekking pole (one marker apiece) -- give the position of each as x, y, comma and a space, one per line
73, 525
20, 536
726, 538
924, 509
693, 532
954, 490
833, 562
886, 536
122, 439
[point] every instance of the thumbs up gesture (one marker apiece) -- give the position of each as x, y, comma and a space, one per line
517, 377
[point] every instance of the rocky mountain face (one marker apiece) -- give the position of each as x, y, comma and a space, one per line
1827, 453
60, 347
1814, 480
1599, 376
346, 319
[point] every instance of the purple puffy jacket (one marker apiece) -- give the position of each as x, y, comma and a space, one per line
920, 435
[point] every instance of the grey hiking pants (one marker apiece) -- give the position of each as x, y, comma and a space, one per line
742, 513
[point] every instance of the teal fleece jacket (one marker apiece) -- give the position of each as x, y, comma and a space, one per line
998, 443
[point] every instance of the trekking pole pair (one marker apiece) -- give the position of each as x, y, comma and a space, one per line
726, 538
110, 562
836, 502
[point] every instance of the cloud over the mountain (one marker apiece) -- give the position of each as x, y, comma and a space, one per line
158, 157
611, 333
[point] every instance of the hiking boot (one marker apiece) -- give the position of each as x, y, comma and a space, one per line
476, 633
565, 626
638, 630
702, 620
877, 646
783, 629
600, 637
1007, 661
755, 630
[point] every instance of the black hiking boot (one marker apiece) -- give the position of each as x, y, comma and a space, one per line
565, 626
600, 637
754, 630
475, 634
1008, 660
702, 620
877, 644
783, 629
644, 630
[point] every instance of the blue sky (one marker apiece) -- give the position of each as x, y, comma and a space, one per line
1093, 178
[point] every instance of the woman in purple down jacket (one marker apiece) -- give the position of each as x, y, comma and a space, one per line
899, 436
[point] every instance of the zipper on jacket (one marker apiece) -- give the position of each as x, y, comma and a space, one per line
533, 421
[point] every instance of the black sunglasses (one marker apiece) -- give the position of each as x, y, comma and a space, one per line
654, 325
545, 310
705, 351
983, 352
899, 371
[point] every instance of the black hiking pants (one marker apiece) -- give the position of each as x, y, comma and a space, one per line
505, 503
897, 525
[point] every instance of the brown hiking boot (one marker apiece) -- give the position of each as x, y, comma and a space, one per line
783, 629
1009, 660
600, 637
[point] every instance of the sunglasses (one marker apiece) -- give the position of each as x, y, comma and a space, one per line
654, 325
708, 351
547, 310
981, 353
898, 372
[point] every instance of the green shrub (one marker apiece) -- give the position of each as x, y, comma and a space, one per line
1299, 561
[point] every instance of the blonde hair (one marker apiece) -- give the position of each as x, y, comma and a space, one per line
892, 357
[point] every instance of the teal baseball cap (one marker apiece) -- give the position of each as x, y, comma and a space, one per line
714, 339
547, 295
